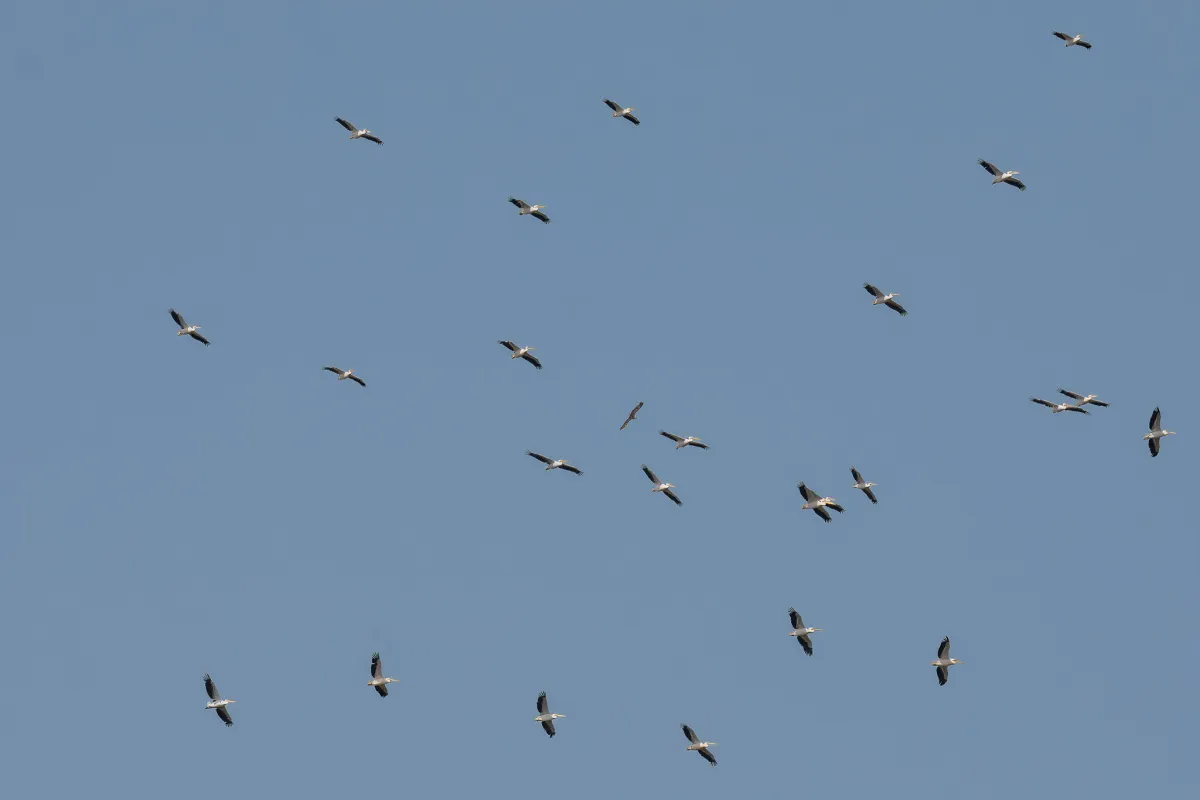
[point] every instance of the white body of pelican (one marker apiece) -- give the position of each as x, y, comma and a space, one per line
699, 746
1082, 400
864, 486
684, 441
377, 680
943, 662
801, 632
554, 463
358, 133
216, 702
660, 486
1002, 177
545, 717
345, 374
618, 111
523, 352
523, 208
185, 329
1156, 433
1073, 40
814, 502
1058, 408
632, 415
885, 299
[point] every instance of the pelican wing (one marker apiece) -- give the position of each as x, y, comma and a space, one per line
1071, 395
632, 415
671, 436
637, 121
990, 167
540, 215
334, 370
944, 649
548, 727
894, 306
179, 320
370, 137
1063, 36
943, 674
653, 478
1096, 402
1154, 420
376, 666
613, 105
521, 204
857, 476
835, 507
690, 734
1076, 409
543, 705
867, 491
569, 468
532, 359
358, 380
347, 125
674, 497
1042, 402
806, 643
539, 457
1153, 448
211, 688
509, 345
708, 756
808, 494
223, 713
1084, 45
195, 335
382, 689
873, 289
1015, 182
823, 514
796, 620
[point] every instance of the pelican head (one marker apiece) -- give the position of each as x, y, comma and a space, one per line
1014, 172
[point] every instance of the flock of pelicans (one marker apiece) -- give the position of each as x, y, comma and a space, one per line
813, 501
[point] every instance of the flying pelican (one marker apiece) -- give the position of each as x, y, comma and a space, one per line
216, 701
859, 483
344, 374
524, 208
359, 133
554, 463
886, 299
816, 503
190, 330
377, 680
699, 746
684, 441
1057, 407
1002, 177
1070, 40
944, 662
801, 632
1083, 400
545, 717
1156, 433
659, 486
632, 415
523, 352
618, 111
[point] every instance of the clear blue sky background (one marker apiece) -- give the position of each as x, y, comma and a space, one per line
171, 510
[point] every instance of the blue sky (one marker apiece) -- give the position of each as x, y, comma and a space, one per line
172, 510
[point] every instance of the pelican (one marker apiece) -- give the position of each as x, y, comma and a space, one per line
659, 486
1002, 177
865, 486
1058, 407
1156, 433
944, 662
554, 463
1083, 400
346, 374
523, 352
377, 680
524, 208
886, 299
359, 133
184, 328
699, 746
684, 441
545, 717
801, 632
816, 503
217, 702
618, 111
632, 415
1070, 40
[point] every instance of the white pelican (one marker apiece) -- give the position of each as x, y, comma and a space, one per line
1058, 407
1070, 40
1083, 400
865, 486
885, 299
1002, 177
545, 717
618, 111
684, 441
659, 486
699, 746
216, 701
523, 352
359, 133
801, 632
944, 662
184, 328
1156, 433
524, 208
377, 680
632, 415
554, 463
816, 503
346, 374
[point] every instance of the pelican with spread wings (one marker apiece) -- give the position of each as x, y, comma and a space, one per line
545, 717
1002, 177
377, 680
801, 631
358, 133
684, 441
619, 111
216, 702
345, 374
554, 463
865, 486
1156, 433
661, 486
523, 352
943, 662
885, 299
699, 746
816, 503
1073, 40
524, 208
185, 329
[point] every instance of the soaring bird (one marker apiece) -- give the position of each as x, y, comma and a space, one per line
377, 680
943, 662
1082, 400
659, 486
1156, 433
814, 502
346, 374
699, 746
859, 483
801, 632
217, 702
184, 328
684, 441
1058, 407
523, 352
545, 717
1002, 177
1070, 40
524, 208
554, 463
632, 415
885, 299
618, 111
359, 133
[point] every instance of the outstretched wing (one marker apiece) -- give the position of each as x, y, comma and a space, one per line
370, 137
548, 727
653, 478
540, 215
1063, 36
990, 167
894, 306
532, 359
539, 457
708, 756
637, 121
1153, 447
376, 666
1071, 395
347, 125
543, 705
944, 648
382, 689
333, 370
674, 497
1042, 402
569, 468
870, 494
358, 380
1154, 420
857, 477
806, 643
835, 507
1015, 182
179, 320
808, 494
823, 514
873, 289
199, 338
1084, 45
796, 619
521, 204
1077, 410
612, 105
942, 674
211, 688
509, 345
223, 713
671, 436
690, 734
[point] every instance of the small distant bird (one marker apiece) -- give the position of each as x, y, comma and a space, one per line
359, 133
885, 299
377, 680
699, 746
684, 441
660, 486
801, 632
184, 328
545, 717
554, 463
217, 702
522, 352
346, 374
1058, 407
943, 662
1070, 40
618, 111
632, 415
814, 502
524, 208
1156, 433
1083, 400
1002, 177
865, 486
